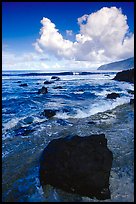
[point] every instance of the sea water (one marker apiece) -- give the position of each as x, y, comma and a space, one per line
83, 109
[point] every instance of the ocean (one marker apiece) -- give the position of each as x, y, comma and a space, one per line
82, 108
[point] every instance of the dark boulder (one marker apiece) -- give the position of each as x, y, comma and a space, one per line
55, 78
48, 82
127, 75
43, 90
131, 101
49, 113
91, 122
23, 85
130, 91
113, 95
58, 87
78, 165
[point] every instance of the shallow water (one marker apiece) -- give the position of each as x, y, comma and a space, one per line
26, 132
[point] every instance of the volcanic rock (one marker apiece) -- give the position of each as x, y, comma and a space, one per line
43, 90
78, 165
49, 113
131, 101
23, 84
113, 95
48, 82
58, 87
130, 91
55, 77
127, 75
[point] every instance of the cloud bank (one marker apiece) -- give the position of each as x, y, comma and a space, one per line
103, 37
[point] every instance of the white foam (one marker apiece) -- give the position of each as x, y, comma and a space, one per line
36, 119
12, 123
78, 92
102, 93
101, 106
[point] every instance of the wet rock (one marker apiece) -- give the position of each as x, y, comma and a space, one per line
28, 120
131, 101
78, 165
62, 122
43, 90
58, 87
48, 82
56, 78
91, 122
23, 131
23, 85
113, 95
81, 90
127, 75
130, 91
49, 113
27, 131
66, 109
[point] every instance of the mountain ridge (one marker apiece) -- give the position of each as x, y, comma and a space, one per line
119, 65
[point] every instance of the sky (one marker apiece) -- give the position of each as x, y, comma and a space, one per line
66, 36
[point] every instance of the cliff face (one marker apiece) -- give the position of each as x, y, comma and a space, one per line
127, 76
120, 65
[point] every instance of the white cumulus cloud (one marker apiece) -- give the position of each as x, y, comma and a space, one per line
104, 37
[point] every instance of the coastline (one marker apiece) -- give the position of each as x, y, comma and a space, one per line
118, 127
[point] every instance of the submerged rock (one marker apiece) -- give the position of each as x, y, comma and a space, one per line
78, 165
43, 90
49, 113
127, 75
23, 84
28, 120
113, 95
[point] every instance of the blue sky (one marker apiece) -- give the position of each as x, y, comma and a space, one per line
21, 26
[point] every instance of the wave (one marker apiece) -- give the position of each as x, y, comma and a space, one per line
96, 108
51, 74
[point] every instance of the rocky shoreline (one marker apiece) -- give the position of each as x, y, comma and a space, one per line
66, 180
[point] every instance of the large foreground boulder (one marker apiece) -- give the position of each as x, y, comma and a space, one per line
78, 165
127, 76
